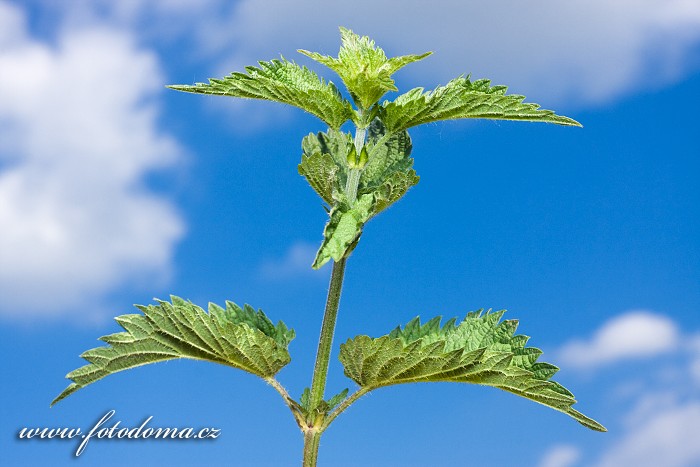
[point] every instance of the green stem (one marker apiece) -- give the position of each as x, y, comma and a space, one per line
325, 341
360, 134
312, 434
311, 440
351, 186
330, 315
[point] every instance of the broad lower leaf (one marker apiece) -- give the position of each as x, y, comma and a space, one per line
482, 349
282, 81
364, 67
344, 228
463, 98
238, 337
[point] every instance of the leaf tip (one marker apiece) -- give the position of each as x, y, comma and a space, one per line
570, 122
586, 421
178, 87
66, 392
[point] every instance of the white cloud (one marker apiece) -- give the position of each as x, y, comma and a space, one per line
634, 334
563, 55
661, 421
583, 51
563, 455
12, 24
649, 404
295, 263
668, 438
77, 134
694, 349
695, 370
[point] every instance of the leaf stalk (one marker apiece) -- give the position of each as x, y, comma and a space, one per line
291, 403
343, 405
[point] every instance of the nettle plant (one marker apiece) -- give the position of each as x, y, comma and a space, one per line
358, 176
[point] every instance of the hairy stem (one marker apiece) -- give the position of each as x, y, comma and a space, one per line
318, 385
312, 434
311, 441
360, 139
325, 341
351, 186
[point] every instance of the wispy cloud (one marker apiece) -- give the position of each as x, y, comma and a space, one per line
635, 334
78, 134
578, 53
668, 438
295, 263
563, 55
563, 455
585, 52
694, 348
660, 419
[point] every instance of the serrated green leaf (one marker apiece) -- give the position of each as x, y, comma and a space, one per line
388, 173
393, 188
343, 229
305, 399
387, 155
386, 176
482, 349
282, 81
324, 162
333, 142
337, 399
322, 174
255, 319
238, 337
364, 67
463, 98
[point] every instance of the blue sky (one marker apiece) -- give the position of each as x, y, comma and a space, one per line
114, 190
